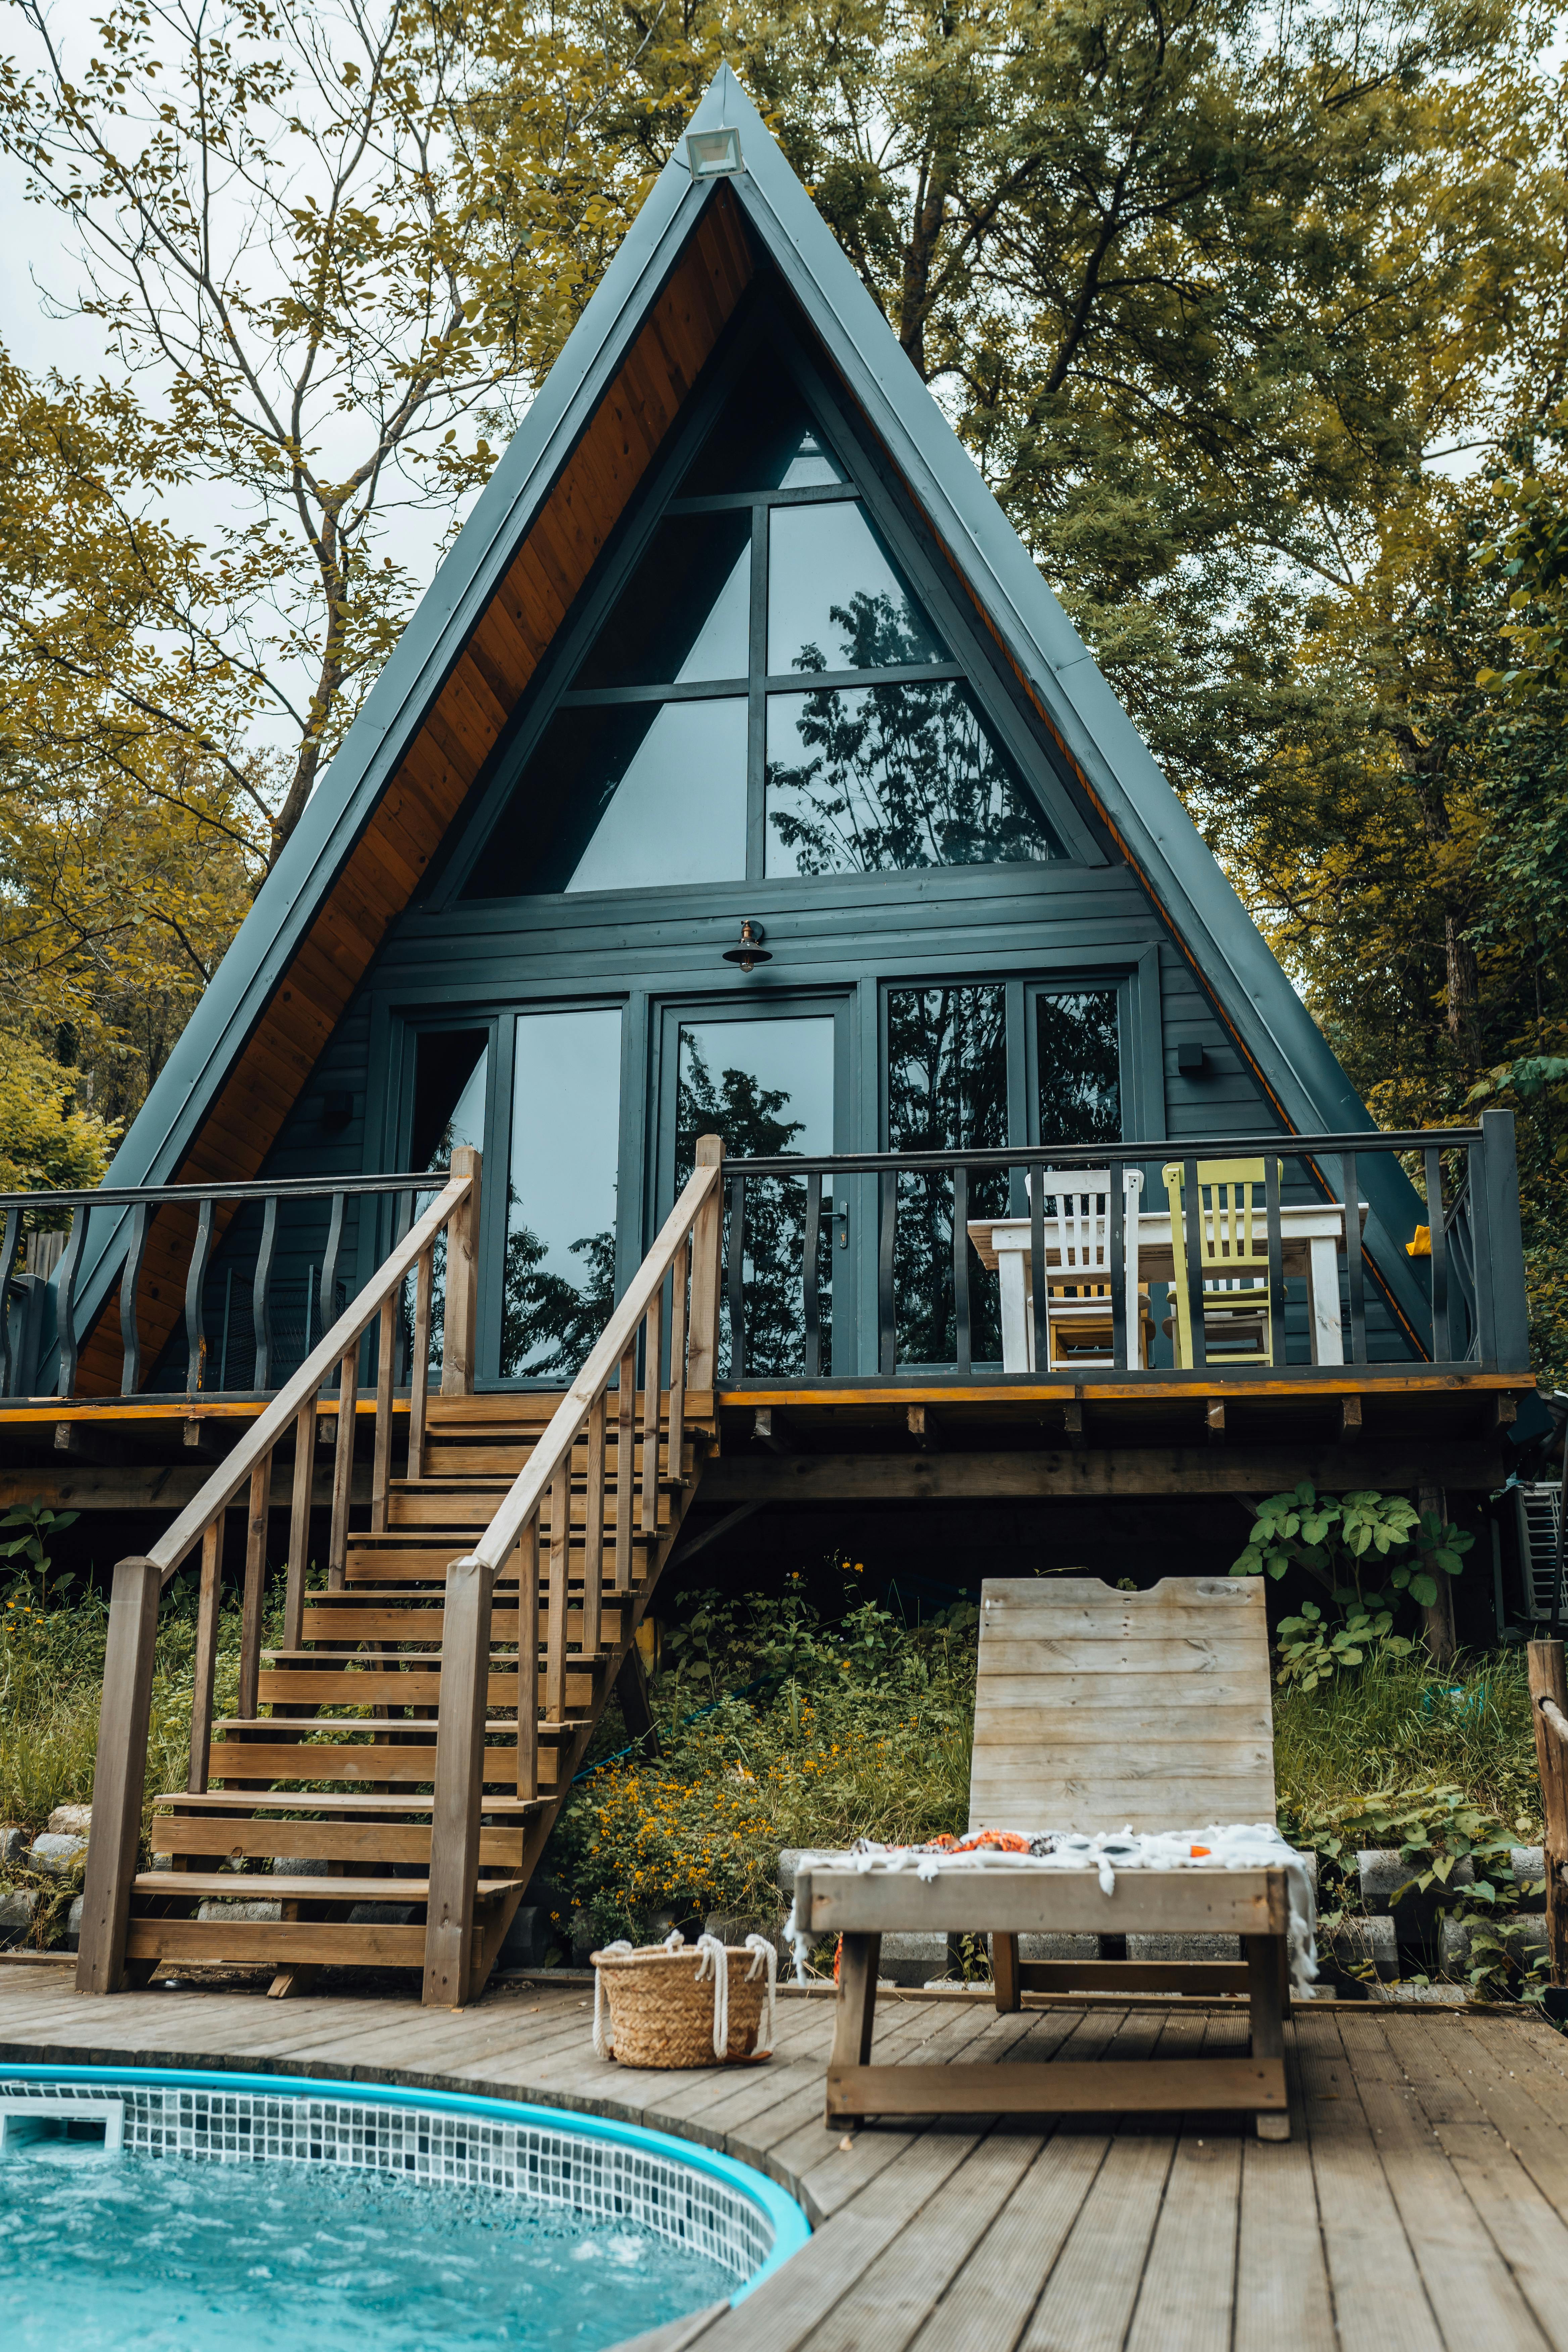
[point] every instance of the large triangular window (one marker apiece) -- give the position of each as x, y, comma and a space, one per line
763, 693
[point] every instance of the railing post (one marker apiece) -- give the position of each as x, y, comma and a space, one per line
299, 1523
462, 1281
343, 1468
1549, 1680
1497, 1208
255, 1583
120, 1776
458, 1784
205, 1665
707, 1258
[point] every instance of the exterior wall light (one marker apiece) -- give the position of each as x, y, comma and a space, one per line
713, 154
751, 949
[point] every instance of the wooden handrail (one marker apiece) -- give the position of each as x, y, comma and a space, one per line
313, 1375
121, 1775
1549, 1690
688, 1249
618, 1336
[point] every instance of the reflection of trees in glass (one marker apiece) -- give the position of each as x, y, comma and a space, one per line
890, 777
947, 1091
752, 1119
541, 1310
1079, 1067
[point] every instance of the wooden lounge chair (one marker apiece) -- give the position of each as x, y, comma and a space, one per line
1095, 1709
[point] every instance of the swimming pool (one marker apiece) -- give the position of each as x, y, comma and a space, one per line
261, 2210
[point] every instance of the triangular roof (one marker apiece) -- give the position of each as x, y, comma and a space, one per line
435, 714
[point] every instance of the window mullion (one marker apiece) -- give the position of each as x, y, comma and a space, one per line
757, 704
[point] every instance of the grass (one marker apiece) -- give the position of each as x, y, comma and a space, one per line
1397, 1724
782, 1725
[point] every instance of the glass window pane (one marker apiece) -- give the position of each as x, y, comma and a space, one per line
451, 1067
766, 1086
451, 1083
835, 599
685, 614
947, 1091
871, 778
764, 439
1079, 1067
625, 798
560, 1280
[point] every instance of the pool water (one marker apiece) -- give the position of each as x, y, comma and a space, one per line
131, 2253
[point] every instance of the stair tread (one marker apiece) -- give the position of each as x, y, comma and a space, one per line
306, 1724
266, 1886
217, 1800
334, 1660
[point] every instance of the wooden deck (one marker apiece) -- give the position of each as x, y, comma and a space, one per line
1421, 2205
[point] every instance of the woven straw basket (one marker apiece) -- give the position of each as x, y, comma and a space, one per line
662, 2002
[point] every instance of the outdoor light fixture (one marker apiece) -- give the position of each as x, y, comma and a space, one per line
713, 154
751, 949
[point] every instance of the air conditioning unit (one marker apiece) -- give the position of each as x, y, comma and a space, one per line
1540, 1509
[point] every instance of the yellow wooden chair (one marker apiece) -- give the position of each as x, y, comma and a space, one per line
1234, 1239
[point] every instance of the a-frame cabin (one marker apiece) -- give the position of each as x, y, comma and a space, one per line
738, 777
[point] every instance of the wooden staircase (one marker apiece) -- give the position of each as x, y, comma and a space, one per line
409, 1746
336, 1771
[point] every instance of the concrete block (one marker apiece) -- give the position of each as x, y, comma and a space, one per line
913, 1960
57, 1852
17, 1904
71, 1821
1527, 1867
220, 1911
73, 1925
382, 1914
13, 1846
527, 1939
1348, 1947
1184, 1947
734, 1926
1058, 1948
1416, 1915
300, 1865
1525, 1937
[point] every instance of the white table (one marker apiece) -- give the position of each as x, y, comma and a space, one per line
1311, 1233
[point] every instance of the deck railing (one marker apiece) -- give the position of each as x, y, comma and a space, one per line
195, 1217
927, 1288
120, 1772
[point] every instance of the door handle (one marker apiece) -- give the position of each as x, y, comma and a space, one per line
841, 1219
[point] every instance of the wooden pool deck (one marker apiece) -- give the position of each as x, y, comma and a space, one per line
1421, 2204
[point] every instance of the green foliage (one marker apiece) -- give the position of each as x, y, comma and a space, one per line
1334, 1539
51, 1681
857, 1728
37, 1577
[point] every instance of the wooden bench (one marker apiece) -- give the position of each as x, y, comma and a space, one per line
1094, 1710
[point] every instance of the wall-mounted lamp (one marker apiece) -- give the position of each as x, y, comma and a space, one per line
1190, 1057
751, 949
713, 154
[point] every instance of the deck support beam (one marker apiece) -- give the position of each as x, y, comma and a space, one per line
1096, 1474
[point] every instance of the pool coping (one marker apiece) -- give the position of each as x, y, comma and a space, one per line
792, 2225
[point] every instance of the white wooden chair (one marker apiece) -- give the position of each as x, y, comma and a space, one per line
1094, 1708
1076, 1208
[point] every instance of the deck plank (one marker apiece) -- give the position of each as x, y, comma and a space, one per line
1380, 2300
1426, 2177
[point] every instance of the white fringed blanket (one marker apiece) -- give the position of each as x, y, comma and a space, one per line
1234, 1846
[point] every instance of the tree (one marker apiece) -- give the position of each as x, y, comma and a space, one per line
329, 251
133, 819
